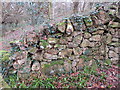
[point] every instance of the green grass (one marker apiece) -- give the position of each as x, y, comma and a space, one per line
4, 55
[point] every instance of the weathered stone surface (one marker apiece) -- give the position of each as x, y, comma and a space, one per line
88, 21
80, 64
87, 35
115, 39
69, 28
117, 50
19, 55
95, 38
50, 56
57, 35
112, 31
115, 44
52, 68
103, 16
116, 34
61, 47
38, 56
16, 65
31, 37
59, 69
63, 41
112, 11
52, 40
109, 38
102, 49
95, 19
77, 51
67, 66
74, 63
111, 48
69, 38
78, 23
74, 57
74, 69
23, 76
112, 54
22, 61
72, 45
25, 69
66, 52
51, 51
85, 43
33, 50
75, 33
49, 46
115, 60
62, 26
101, 27
98, 32
36, 66
114, 24
77, 39
99, 57
87, 52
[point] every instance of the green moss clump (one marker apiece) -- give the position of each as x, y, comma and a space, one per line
108, 62
115, 44
44, 43
57, 45
60, 62
85, 57
62, 23
4, 55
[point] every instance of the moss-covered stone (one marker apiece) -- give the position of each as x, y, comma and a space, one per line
52, 40
54, 67
116, 44
88, 21
114, 25
62, 26
59, 62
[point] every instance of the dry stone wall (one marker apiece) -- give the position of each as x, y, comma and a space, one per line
70, 45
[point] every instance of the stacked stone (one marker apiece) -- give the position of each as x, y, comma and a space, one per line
66, 46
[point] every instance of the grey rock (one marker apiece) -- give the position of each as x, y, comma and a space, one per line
87, 35
66, 52
95, 38
52, 40
72, 45
85, 43
76, 33
77, 51
112, 54
77, 39
109, 38
98, 32
67, 66
74, 63
49, 56
36, 66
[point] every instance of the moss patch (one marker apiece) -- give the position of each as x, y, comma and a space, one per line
4, 55
59, 62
